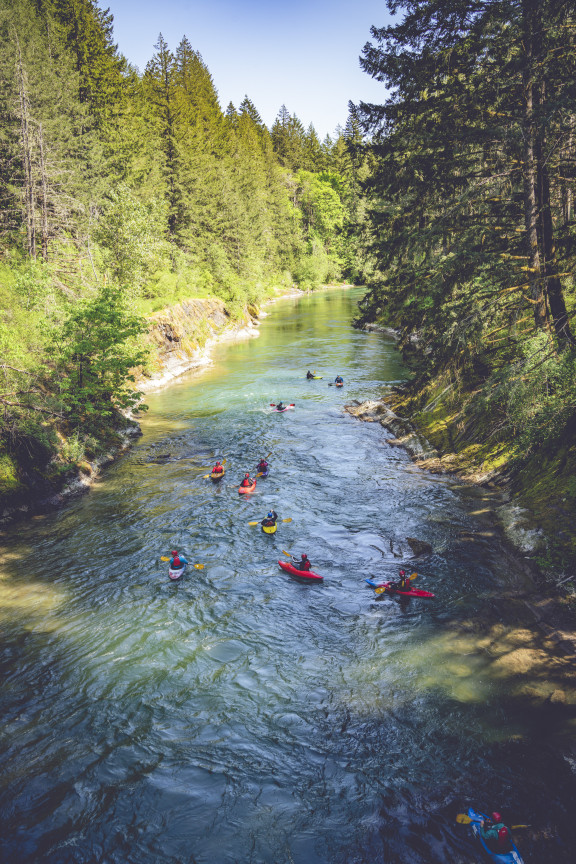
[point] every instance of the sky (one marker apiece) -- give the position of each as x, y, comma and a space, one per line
300, 54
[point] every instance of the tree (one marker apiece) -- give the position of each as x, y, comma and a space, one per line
97, 349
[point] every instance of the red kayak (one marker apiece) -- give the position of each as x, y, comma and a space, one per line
300, 574
243, 490
414, 592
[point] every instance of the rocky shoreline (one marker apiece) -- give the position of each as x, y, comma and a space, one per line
547, 641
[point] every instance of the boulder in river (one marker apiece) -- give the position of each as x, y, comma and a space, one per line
419, 547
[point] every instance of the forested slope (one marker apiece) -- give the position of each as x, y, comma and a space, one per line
471, 214
124, 192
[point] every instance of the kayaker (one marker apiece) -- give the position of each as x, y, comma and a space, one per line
404, 581
309, 374
280, 406
218, 468
247, 481
270, 519
177, 561
495, 834
262, 465
339, 379
302, 564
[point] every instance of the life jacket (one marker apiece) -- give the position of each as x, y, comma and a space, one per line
268, 523
262, 466
504, 842
246, 482
217, 469
176, 563
305, 565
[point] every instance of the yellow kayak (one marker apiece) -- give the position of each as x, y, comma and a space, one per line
270, 529
218, 476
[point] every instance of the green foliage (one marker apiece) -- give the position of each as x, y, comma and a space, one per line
130, 233
98, 347
539, 392
9, 481
467, 199
122, 193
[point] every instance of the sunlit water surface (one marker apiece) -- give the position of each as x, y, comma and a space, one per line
240, 716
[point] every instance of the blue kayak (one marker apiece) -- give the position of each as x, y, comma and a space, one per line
512, 857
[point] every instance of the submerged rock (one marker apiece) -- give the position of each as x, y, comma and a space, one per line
419, 547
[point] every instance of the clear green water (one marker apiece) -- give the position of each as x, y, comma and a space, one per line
240, 716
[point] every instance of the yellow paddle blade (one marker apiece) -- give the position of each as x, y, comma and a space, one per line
287, 553
164, 558
463, 819
199, 566
289, 519
253, 523
205, 477
414, 576
380, 590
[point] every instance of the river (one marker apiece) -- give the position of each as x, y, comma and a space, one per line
238, 715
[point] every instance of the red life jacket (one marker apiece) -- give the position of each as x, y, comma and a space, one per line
176, 563
305, 565
504, 844
246, 482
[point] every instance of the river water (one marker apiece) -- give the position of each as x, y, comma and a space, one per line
238, 715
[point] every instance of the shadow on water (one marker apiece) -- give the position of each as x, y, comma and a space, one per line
237, 715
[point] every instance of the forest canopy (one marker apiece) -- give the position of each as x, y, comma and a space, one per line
471, 212
123, 192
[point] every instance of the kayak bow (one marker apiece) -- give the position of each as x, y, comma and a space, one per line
243, 490
176, 574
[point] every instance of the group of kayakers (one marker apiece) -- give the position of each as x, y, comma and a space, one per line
312, 375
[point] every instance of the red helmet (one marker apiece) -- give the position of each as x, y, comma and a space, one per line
174, 552
402, 572
496, 817
305, 556
247, 474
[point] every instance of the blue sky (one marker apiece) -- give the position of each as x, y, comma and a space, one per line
301, 54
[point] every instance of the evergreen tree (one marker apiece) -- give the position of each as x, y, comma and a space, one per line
160, 83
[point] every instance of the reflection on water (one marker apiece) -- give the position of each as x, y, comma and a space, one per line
239, 716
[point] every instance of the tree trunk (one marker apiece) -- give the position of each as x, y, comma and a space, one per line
531, 40
26, 156
44, 181
554, 291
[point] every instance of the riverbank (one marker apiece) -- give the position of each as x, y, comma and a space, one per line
181, 339
541, 643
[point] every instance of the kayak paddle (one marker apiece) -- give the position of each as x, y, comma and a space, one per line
196, 566
289, 519
463, 819
291, 405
